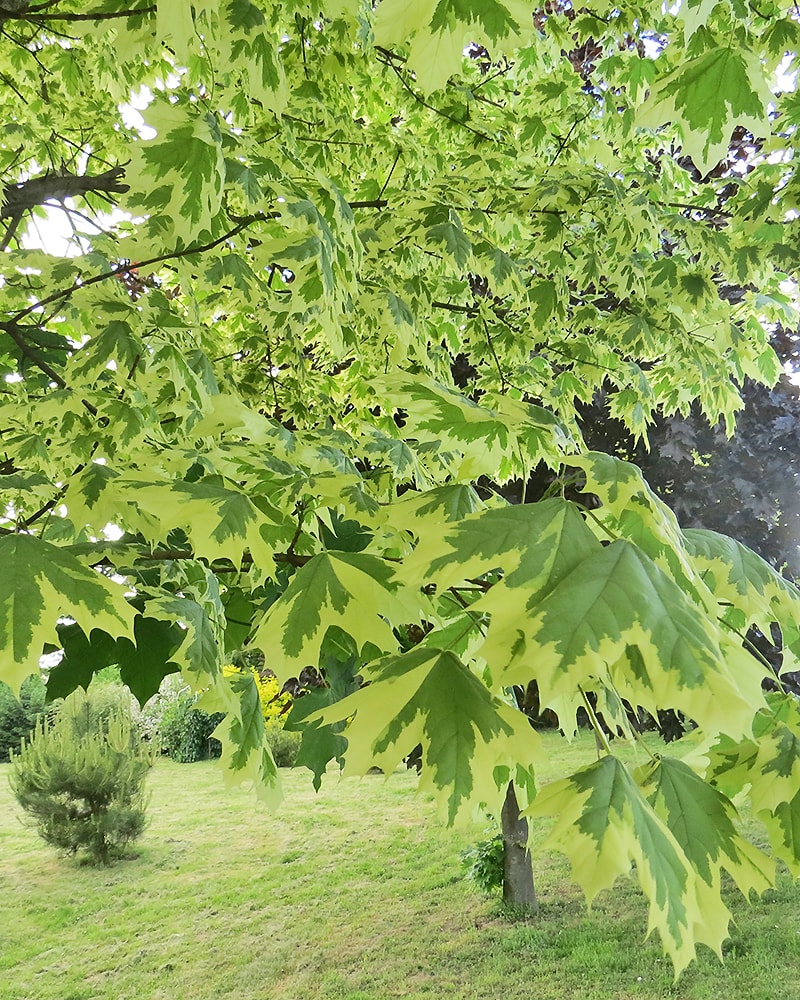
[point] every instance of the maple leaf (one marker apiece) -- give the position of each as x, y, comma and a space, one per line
82, 656
175, 25
707, 97
632, 510
220, 520
470, 738
246, 757
186, 155
442, 28
702, 820
354, 591
767, 766
617, 616
455, 242
147, 661
475, 436
41, 582
532, 543
605, 823
199, 655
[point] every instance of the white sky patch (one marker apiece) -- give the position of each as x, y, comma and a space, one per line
112, 532
134, 120
129, 112
791, 374
785, 77
54, 234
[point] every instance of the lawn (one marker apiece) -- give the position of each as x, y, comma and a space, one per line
356, 894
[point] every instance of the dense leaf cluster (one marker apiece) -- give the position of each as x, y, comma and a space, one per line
365, 267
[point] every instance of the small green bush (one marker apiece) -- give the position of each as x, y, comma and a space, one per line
484, 863
184, 732
283, 743
81, 776
18, 715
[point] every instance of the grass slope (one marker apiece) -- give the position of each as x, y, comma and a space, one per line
356, 894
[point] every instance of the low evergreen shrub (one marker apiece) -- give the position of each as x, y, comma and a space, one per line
80, 777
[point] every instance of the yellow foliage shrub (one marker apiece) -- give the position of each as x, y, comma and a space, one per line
274, 705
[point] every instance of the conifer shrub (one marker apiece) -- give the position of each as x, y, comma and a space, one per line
80, 777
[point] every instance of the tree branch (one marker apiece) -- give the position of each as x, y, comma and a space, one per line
714, 213
31, 15
10, 232
19, 198
170, 555
64, 293
375, 203
33, 355
388, 60
449, 307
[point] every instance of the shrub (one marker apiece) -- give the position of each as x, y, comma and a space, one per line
184, 732
173, 687
18, 715
81, 777
484, 863
283, 743
274, 703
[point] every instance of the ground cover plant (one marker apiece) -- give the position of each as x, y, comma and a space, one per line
355, 893
338, 276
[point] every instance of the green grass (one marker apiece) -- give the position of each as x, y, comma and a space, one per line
356, 894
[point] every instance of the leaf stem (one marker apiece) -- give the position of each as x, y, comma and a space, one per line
598, 729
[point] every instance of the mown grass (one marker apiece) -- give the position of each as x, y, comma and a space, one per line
355, 894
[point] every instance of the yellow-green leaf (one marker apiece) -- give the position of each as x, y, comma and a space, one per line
41, 582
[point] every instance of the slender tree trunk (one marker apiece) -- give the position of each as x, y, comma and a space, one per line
518, 890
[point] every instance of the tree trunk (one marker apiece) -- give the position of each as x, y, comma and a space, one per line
518, 890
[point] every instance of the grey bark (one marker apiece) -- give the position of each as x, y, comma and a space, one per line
518, 888
18, 198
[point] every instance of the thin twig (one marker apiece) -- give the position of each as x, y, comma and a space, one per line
397, 156
121, 268
421, 100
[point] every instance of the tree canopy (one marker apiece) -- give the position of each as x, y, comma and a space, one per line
344, 274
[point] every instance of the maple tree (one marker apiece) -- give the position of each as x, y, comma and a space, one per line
349, 271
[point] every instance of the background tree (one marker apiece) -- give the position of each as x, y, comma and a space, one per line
18, 715
745, 486
364, 262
